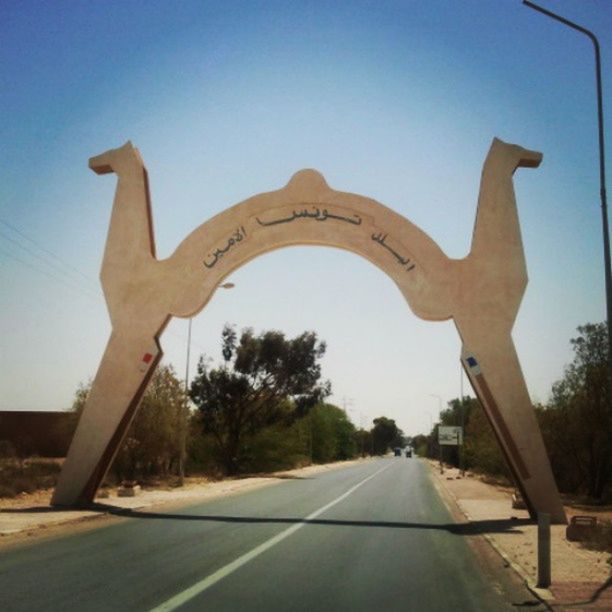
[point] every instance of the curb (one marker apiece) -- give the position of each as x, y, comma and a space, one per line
544, 595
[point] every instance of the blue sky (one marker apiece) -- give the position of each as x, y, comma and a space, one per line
398, 101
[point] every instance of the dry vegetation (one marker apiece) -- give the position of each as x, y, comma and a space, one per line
19, 476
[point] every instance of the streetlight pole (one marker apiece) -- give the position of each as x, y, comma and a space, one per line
185, 408
462, 406
602, 172
185, 411
439, 445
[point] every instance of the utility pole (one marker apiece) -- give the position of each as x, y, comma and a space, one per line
346, 401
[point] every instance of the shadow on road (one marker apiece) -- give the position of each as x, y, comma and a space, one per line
46, 509
463, 529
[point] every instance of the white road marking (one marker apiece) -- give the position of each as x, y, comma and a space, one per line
199, 587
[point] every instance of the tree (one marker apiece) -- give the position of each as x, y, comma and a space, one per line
363, 442
332, 434
151, 444
482, 450
577, 424
457, 414
385, 434
264, 380
420, 444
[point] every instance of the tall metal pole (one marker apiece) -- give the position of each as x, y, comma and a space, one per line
439, 445
602, 173
462, 406
183, 423
184, 420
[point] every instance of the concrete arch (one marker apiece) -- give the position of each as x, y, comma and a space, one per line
481, 292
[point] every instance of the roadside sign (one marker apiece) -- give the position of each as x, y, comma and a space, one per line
450, 435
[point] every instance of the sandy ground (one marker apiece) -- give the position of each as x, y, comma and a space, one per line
578, 574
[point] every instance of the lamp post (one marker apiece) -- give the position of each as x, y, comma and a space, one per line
439, 413
184, 411
462, 407
602, 170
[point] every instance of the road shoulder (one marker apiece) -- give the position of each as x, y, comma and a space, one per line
579, 576
30, 518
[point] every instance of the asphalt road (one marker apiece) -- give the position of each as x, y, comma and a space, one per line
372, 536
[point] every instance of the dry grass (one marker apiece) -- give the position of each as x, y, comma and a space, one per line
600, 538
17, 477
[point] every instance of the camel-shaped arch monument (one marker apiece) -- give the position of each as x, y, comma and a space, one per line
481, 293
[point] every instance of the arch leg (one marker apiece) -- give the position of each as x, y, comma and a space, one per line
495, 374
121, 380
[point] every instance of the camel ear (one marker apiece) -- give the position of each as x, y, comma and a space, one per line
530, 159
99, 164
102, 164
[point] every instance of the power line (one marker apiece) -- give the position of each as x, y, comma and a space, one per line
38, 256
45, 250
55, 268
49, 274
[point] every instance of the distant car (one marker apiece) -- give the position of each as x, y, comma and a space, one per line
408, 452
398, 452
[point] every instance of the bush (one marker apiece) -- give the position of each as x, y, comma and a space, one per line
601, 538
482, 451
274, 448
7, 450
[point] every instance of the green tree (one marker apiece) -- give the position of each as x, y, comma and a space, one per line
265, 380
332, 434
420, 444
577, 424
278, 447
458, 412
363, 442
151, 444
482, 450
385, 434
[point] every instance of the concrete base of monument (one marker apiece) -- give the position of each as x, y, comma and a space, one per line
131, 490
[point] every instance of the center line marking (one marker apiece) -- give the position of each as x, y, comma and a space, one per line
199, 587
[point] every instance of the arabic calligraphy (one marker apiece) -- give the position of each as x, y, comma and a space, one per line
238, 236
380, 239
316, 213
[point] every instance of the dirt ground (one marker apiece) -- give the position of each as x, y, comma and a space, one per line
580, 577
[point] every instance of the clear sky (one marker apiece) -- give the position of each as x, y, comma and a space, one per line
397, 101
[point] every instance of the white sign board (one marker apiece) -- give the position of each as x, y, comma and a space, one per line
450, 436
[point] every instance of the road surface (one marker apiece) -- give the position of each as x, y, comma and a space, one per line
371, 536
